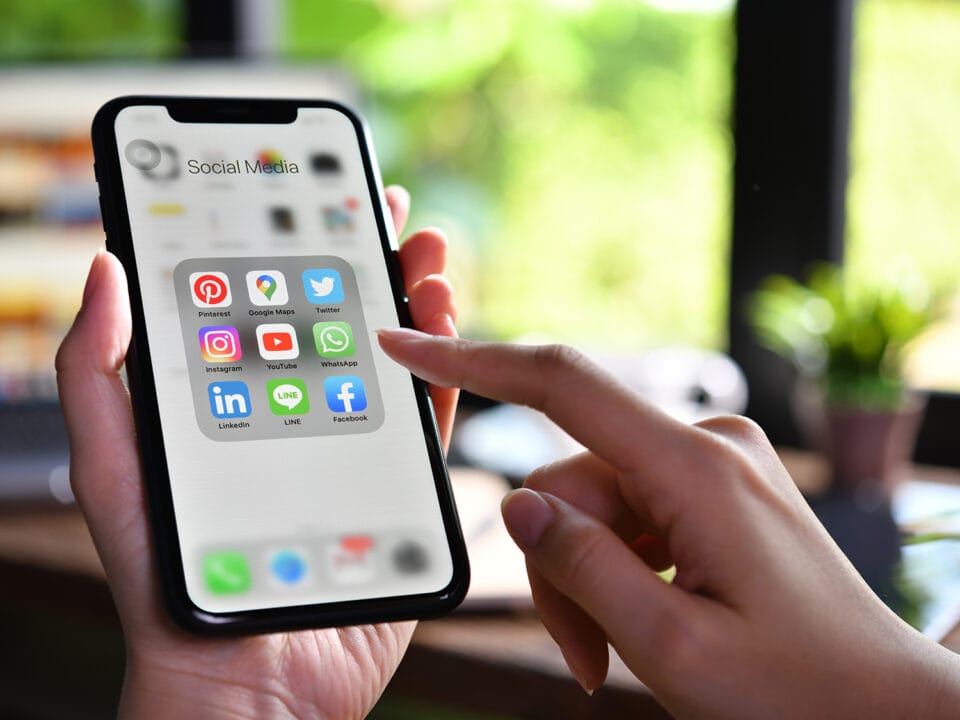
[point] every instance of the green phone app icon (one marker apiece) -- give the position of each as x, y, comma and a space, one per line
226, 572
288, 396
334, 339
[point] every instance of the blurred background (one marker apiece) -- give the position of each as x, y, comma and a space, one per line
616, 174
579, 153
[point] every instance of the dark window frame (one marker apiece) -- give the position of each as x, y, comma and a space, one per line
211, 29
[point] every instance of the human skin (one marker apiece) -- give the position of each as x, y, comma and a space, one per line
331, 673
765, 618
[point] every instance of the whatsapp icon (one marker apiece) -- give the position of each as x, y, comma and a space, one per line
334, 339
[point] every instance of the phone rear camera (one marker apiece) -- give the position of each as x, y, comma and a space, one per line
142, 154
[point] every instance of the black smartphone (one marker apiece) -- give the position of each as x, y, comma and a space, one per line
294, 473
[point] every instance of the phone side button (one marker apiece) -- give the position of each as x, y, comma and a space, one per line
103, 216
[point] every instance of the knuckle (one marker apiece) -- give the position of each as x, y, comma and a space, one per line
557, 358
550, 477
560, 366
538, 479
439, 284
555, 355
740, 452
738, 428
64, 358
583, 553
60, 361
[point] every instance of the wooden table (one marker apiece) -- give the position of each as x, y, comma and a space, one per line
503, 663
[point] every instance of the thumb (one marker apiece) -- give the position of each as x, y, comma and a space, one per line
587, 562
92, 393
104, 466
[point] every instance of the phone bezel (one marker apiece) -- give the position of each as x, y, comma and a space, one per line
144, 395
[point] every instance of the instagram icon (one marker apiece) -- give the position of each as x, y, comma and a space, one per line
220, 343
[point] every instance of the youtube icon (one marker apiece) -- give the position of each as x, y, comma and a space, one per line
277, 341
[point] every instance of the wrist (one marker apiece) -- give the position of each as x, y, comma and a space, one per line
919, 678
936, 691
152, 692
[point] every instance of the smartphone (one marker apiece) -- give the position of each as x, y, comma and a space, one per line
294, 474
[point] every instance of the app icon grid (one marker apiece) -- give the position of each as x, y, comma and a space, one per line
302, 368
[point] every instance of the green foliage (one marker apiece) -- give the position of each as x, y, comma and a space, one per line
88, 29
905, 148
850, 336
577, 153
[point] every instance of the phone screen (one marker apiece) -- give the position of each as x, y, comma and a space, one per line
296, 453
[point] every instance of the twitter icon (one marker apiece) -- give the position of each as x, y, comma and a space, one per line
323, 287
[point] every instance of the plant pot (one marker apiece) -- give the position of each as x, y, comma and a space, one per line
869, 450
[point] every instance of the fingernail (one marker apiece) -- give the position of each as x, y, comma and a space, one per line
93, 276
526, 515
577, 674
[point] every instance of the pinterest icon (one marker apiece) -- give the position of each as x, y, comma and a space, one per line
210, 289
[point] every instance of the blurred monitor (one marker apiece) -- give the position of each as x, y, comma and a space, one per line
50, 228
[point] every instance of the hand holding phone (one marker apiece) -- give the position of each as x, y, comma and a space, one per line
330, 672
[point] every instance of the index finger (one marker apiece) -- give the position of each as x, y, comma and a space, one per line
570, 389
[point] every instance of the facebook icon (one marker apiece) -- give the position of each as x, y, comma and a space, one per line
345, 393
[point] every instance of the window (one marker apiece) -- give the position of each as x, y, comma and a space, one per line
905, 160
577, 153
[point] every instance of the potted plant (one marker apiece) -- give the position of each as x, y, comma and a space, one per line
847, 343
